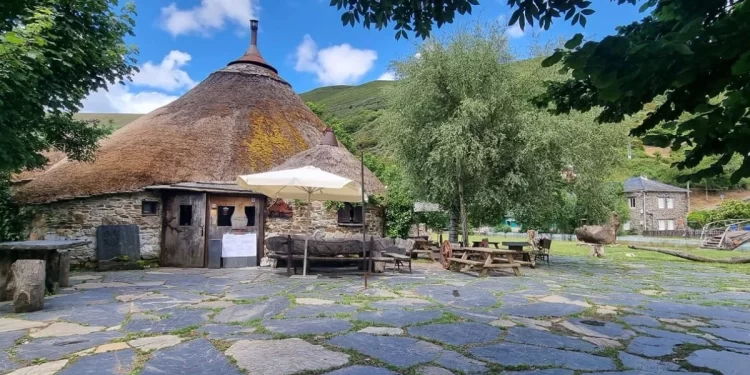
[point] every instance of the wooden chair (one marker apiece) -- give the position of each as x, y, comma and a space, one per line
542, 251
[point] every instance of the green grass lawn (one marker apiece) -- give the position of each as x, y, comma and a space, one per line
621, 253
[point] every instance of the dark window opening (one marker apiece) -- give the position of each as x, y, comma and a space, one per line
350, 214
149, 208
186, 215
225, 216
250, 214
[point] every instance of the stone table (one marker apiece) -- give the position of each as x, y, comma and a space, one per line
53, 252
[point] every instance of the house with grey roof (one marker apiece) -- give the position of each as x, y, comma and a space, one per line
655, 206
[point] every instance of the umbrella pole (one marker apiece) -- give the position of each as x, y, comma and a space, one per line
309, 225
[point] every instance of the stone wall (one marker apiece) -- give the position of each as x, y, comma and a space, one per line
323, 219
650, 221
79, 218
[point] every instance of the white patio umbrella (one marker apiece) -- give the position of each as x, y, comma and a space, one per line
308, 183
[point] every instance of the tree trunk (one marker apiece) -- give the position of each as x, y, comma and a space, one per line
695, 258
28, 280
453, 226
462, 207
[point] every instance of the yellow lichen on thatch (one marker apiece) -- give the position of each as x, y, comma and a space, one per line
272, 138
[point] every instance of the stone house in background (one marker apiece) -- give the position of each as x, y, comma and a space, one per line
655, 206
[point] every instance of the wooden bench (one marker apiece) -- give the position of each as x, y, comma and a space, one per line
399, 259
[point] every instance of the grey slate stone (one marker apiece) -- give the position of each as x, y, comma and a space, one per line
729, 323
641, 320
510, 354
7, 339
537, 337
58, 347
457, 362
362, 370
709, 312
178, 319
197, 357
399, 318
304, 311
638, 363
728, 363
457, 333
117, 362
250, 291
732, 334
461, 297
549, 371
613, 330
229, 332
262, 310
536, 310
641, 372
6, 364
397, 351
652, 346
677, 336
307, 326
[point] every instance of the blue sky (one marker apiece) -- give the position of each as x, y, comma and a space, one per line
182, 41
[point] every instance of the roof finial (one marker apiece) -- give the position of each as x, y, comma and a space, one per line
254, 34
329, 139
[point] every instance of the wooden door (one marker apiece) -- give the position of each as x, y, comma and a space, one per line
184, 231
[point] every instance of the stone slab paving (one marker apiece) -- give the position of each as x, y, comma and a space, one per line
396, 351
536, 337
457, 333
307, 326
362, 370
509, 354
283, 357
196, 357
119, 362
553, 321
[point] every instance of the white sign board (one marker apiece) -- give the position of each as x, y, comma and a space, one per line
239, 245
426, 207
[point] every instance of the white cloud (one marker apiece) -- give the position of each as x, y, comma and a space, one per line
514, 31
387, 76
210, 15
336, 65
168, 76
119, 99
418, 55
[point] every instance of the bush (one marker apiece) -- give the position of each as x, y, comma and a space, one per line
731, 209
697, 219
502, 229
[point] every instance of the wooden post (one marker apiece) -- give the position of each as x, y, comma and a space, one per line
28, 280
289, 255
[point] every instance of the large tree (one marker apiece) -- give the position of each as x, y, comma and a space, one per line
463, 129
691, 56
53, 53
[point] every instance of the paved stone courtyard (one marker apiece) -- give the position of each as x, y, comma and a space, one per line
578, 316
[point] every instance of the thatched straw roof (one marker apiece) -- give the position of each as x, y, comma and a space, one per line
335, 159
242, 119
54, 158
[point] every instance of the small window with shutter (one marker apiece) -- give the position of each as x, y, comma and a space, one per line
350, 214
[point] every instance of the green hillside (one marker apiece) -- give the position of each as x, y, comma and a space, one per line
116, 120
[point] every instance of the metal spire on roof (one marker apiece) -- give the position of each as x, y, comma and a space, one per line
252, 55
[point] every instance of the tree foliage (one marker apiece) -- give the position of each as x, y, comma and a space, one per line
53, 53
461, 125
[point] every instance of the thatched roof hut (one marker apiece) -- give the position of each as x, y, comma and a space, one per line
242, 119
331, 157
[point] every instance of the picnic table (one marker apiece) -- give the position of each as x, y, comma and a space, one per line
53, 252
480, 243
518, 247
425, 246
482, 259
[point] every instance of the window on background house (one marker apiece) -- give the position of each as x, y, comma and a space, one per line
670, 202
670, 224
631, 202
661, 202
149, 208
225, 216
250, 214
350, 214
626, 226
662, 225
186, 215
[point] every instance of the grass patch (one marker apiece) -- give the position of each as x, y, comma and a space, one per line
139, 362
248, 301
186, 331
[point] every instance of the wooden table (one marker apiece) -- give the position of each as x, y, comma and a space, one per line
482, 260
518, 247
423, 246
493, 243
53, 252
